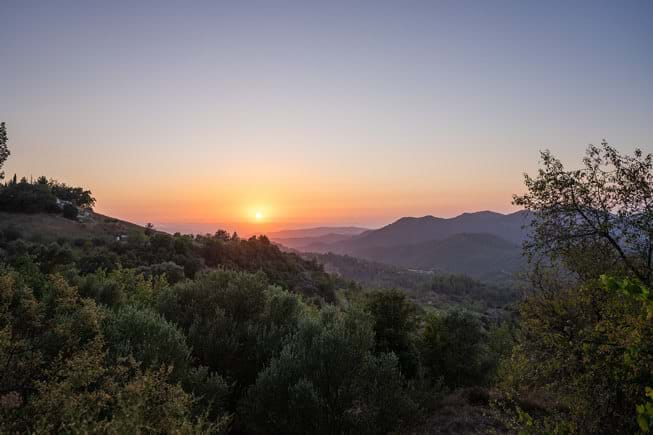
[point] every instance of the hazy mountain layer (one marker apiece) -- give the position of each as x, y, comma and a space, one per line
485, 245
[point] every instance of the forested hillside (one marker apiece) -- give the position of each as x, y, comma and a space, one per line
426, 288
147, 332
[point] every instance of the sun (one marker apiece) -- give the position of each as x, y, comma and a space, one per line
258, 215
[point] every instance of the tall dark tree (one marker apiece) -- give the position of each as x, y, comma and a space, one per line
452, 348
4, 150
395, 328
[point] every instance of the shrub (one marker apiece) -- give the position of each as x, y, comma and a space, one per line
395, 328
147, 337
452, 349
592, 348
327, 380
70, 212
235, 322
56, 377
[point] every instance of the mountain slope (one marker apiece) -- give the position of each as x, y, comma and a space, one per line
485, 245
50, 227
480, 255
314, 239
410, 230
311, 244
315, 232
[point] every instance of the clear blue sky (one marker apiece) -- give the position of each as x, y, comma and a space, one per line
317, 112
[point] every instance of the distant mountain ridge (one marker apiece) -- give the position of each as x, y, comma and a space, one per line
313, 239
485, 245
409, 230
315, 232
312, 244
480, 255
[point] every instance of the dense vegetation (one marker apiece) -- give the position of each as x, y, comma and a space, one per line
424, 287
584, 348
159, 333
98, 348
483, 245
43, 196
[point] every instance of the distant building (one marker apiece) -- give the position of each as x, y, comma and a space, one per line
84, 214
61, 203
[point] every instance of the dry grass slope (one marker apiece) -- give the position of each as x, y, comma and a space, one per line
50, 227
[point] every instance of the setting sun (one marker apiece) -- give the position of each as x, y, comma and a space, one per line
258, 215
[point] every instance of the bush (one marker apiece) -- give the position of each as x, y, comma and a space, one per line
56, 377
70, 212
120, 287
41, 197
592, 348
172, 272
147, 337
98, 259
395, 328
452, 349
11, 233
327, 380
235, 322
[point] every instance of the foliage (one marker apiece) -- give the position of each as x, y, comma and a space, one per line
70, 212
26, 197
645, 412
41, 197
395, 328
120, 287
56, 376
235, 321
632, 288
497, 347
586, 350
595, 220
172, 272
146, 336
422, 287
642, 294
464, 288
592, 348
452, 348
327, 380
77, 196
288, 270
4, 150
158, 253
206, 338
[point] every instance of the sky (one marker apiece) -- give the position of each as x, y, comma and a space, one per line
198, 114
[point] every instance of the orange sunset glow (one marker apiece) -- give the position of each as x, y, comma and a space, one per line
340, 134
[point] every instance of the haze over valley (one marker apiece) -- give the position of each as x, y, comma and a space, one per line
485, 245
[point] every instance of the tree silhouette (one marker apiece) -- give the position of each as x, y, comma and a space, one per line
4, 150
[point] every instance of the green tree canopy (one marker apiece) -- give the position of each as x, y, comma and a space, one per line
595, 219
452, 348
327, 380
587, 346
